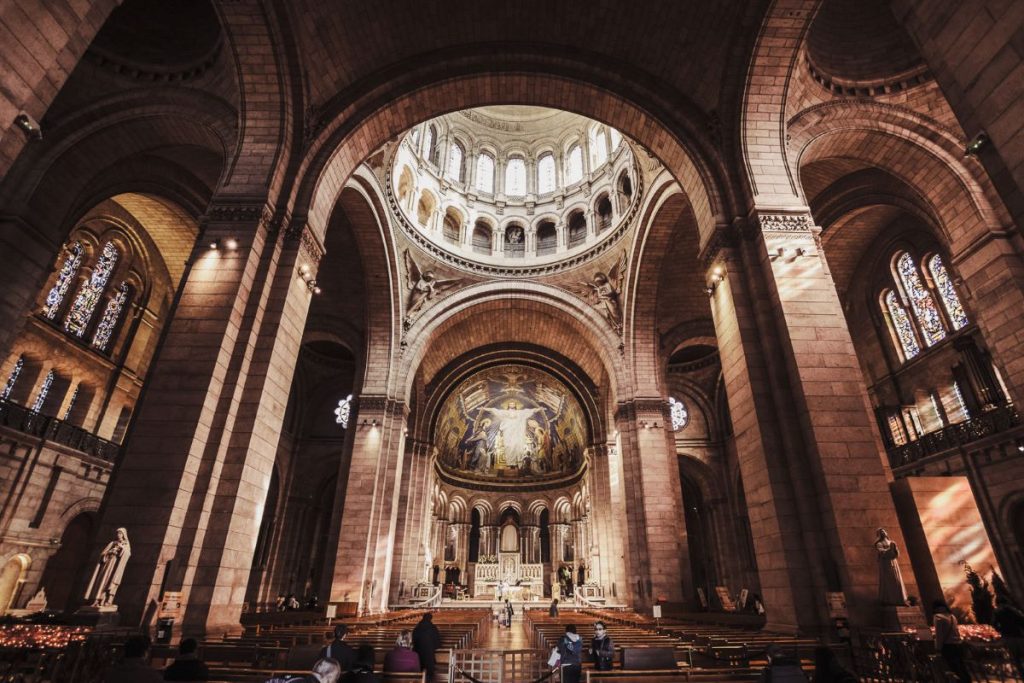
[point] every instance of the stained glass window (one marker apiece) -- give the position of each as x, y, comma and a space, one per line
921, 301
344, 411
960, 401
546, 174
574, 165
515, 177
111, 316
899, 436
944, 285
43, 391
677, 411
485, 173
455, 155
428, 144
68, 271
71, 403
598, 147
89, 295
902, 328
12, 379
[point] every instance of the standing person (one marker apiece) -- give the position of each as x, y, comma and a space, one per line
426, 641
401, 658
133, 668
1009, 621
948, 641
339, 650
187, 666
602, 649
553, 610
509, 612
570, 647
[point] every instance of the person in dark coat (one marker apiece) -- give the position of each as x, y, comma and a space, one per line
570, 649
187, 666
553, 610
509, 612
602, 649
402, 659
426, 641
339, 650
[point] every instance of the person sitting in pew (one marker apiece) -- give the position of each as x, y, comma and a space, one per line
325, 670
187, 666
339, 650
133, 668
781, 668
402, 658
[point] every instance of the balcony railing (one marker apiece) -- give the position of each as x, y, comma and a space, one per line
48, 428
955, 436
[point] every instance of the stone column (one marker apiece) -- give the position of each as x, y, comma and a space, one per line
656, 532
411, 537
813, 467
191, 485
608, 568
362, 571
461, 546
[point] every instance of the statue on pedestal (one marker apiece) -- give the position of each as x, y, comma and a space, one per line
107, 576
891, 590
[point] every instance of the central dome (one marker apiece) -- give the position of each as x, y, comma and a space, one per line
514, 190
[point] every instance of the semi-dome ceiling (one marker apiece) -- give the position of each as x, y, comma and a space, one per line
503, 190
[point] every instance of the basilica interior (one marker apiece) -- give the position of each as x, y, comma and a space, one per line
662, 309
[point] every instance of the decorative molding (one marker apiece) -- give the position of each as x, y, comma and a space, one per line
240, 212
492, 123
783, 222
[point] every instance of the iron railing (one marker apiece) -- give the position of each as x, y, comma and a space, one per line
48, 428
955, 436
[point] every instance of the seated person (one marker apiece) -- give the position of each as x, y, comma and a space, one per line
134, 668
187, 665
402, 658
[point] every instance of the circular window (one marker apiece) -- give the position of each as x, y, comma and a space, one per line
344, 411
677, 411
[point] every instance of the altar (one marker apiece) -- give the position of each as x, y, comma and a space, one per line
508, 578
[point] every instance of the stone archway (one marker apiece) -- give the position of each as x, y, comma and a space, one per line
12, 578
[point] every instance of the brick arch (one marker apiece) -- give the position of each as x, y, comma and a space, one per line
669, 218
924, 155
354, 127
531, 313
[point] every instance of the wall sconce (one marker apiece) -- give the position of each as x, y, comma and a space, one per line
307, 277
369, 423
229, 243
29, 126
716, 279
976, 144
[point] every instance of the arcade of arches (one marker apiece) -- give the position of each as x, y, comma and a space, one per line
626, 309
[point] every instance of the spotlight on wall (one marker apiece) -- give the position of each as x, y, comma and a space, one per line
29, 126
976, 144
231, 244
1020, 448
716, 278
215, 244
306, 275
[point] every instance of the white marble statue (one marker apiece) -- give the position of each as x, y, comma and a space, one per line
107, 576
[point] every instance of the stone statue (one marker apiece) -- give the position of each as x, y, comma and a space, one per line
423, 286
891, 590
107, 576
604, 292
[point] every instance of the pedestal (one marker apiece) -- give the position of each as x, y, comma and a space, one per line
97, 617
902, 618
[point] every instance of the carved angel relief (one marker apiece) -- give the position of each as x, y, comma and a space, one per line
423, 287
604, 292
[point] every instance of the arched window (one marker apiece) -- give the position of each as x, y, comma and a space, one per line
546, 174
344, 411
485, 173
452, 230
574, 165
430, 147
902, 329
598, 147
68, 273
616, 138
921, 301
604, 214
481, 238
946, 291
547, 238
71, 403
43, 391
12, 379
455, 170
89, 295
515, 177
111, 318
577, 229
425, 209
679, 414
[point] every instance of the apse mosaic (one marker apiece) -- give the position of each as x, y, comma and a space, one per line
511, 422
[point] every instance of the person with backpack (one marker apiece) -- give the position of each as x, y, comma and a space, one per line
570, 649
325, 670
339, 650
426, 641
602, 649
781, 668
